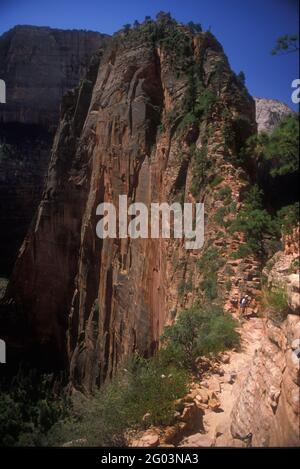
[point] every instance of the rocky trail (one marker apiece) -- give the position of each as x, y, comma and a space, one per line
206, 416
216, 422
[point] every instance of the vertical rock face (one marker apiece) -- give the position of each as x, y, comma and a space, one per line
269, 113
38, 65
129, 129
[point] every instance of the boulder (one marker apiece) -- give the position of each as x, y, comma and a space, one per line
150, 439
198, 440
214, 384
202, 396
214, 403
192, 416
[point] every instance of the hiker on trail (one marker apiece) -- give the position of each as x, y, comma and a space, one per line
243, 304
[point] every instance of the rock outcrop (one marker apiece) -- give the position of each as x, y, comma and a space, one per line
38, 66
130, 129
269, 113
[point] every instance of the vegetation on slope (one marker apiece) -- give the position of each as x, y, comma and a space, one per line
278, 155
280, 148
143, 392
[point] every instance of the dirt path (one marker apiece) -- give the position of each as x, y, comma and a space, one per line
217, 422
209, 403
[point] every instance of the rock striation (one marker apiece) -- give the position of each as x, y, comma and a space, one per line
38, 65
129, 129
160, 117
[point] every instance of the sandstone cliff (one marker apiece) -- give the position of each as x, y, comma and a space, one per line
131, 128
159, 117
38, 66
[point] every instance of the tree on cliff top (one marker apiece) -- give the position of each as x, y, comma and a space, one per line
286, 44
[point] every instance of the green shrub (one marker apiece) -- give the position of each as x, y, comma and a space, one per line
204, 102
210, 259
277, 152
188, 119
209, 286
220, 214
229, 270
224, 193
220, 234
241, 78
294, 267
216, 181
143, 386
200, 331
194, 27
288, 218
185, 286
282, 147
275, 302
255, 222
28, 409
200, 169
243, 251
209, 264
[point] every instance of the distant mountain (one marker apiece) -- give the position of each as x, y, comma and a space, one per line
38, 65
269, 112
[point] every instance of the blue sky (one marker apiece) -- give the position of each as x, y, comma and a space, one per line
247, 29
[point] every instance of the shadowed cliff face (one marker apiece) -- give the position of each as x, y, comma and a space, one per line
38, 66
127, 130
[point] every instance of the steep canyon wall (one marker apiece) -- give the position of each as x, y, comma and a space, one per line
88, 302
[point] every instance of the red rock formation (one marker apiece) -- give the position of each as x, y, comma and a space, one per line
86, 302
38, 65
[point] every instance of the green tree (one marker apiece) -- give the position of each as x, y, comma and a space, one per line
288, 217
286, 44
282, 147
255, 222
241, 77
164, 17
191, 93
194, 27
199, 331
126, 27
